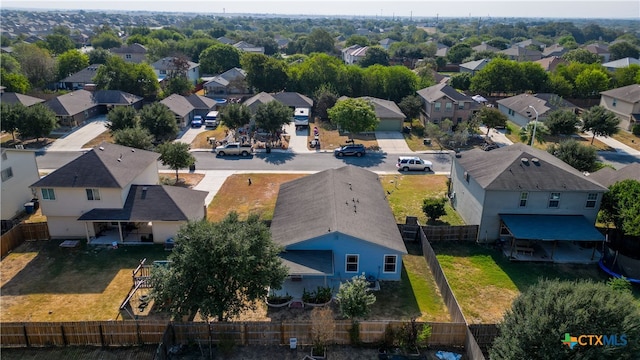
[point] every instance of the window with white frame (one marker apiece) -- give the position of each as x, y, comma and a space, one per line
437, 106
592, 198
448, 106
524, 196
7, 174
461, 106
128, 56
554, 200
93, 194
390, 263
48, 194
351, 264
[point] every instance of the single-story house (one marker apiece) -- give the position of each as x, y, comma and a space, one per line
12, 98
519, 108
73, 108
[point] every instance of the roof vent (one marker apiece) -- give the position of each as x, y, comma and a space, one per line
133, 150
535, 161
525, 160
101, 148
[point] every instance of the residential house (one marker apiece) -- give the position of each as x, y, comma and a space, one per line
386, 43
620, 63
19, 168
134, 53
472, 67
230, 82
519, 108
534, 202
518, 53
165, 67
530, 43
354, 53
390, 117
261, 98
549, 64
601, 50
250, 48
293, 100
334, 225
625, 103
442, 101
12, 98
554, 50
111, 194
73, 108
81, 78
186, 107
225, 40
484, 47
608, 176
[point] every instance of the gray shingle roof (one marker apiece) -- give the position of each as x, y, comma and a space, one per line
130, 49
293, 99
201, 102
621, 63
543, 103
81, 100
154, 203
348, 200
608, 176
84, 76
178, 104
257, 99
629, 93
308, 262
435, 92
12, 98
167, 63
101, 168
475, 65
504, 169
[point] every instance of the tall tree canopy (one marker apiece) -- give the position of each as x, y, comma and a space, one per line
176, 155
562, 122
36, 63
620, 204
235, 115
579, 156
219, 269
536, 325
264, 73
71, 62
219, 58
137, 79
135, 137
375, 55
623, 49
38, 122
122, 117
354, 116
600, 121
319, 40
491, 118
272, 116
160, 121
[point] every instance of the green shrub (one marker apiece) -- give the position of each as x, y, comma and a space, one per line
635, 130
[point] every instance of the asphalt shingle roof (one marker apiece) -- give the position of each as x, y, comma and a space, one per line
85, 75
629, 93
505, 169
348, 200
608, 176
543, 103
435, 92
101, 168
293, 99
12, 98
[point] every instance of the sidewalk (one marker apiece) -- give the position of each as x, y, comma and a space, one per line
617, 145
497, 135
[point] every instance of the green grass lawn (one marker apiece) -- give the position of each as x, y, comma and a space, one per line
485, 282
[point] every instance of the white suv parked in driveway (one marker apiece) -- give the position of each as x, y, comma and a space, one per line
406, 163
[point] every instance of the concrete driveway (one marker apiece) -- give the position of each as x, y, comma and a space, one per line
298, 139
189, 134
392, 142
76, 139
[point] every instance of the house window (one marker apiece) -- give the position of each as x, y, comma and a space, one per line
592, 198
523, 199
614, 102
448, 106
511, 112
128, 56
461, 106
93, 194
352, 263
48, 194
7, 174
554, 200
390, 263
437, 106
163, 72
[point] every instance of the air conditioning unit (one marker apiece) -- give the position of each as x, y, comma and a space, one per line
452, 195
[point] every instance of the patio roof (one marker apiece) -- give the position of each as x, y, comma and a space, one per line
308, 262
551, 227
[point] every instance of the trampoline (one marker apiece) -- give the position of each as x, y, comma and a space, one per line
618, 265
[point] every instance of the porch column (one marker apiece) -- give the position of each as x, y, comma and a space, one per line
553, 250
86, 231
120, 232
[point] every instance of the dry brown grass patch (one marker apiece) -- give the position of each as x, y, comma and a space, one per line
201, 141
330, 139
105, 136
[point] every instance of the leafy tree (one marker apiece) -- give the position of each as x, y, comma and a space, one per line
542, 316
459, 52
235, 115
536, 78
71, 62
623, 49
499, 75
264, 73
581, 56
272, 116
219, 269
600, 121
491, 118
357, 40
325, 98
411, 106
179, 85
319, 40
58, 44
9, 64
398, 82
591, 82
99, 56
38, 122
36, 63
122, 117
562, 122
541, 130
176, 155
560, 85
136, 137
627, 75
620, 205
14, 82
106, 40
160, 121
354, 297
461, 81
137, 79
375, 55
433, 208
575, 154
353, 115
12, 116
219, 58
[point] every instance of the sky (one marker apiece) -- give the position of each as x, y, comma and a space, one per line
602, 9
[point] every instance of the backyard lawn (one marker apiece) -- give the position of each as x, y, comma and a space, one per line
41, 281
485, 282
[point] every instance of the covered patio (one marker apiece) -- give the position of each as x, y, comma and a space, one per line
308, 270
569, 239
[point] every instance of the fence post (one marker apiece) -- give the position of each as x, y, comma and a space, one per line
139, 334
64, 337
26, 336
101, 335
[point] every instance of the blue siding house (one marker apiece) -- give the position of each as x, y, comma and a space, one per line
334, 225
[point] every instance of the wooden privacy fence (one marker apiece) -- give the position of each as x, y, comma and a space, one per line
451, 233
484, 334
21, 233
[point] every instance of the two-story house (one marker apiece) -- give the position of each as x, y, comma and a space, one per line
334, 225
166, 67
79, 79
19, 168
625, 103
134, 53
442, 101
522, 108
111, 194
353, 54
230, 82
519, 193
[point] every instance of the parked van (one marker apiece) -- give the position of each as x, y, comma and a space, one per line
211, 119
301, 117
